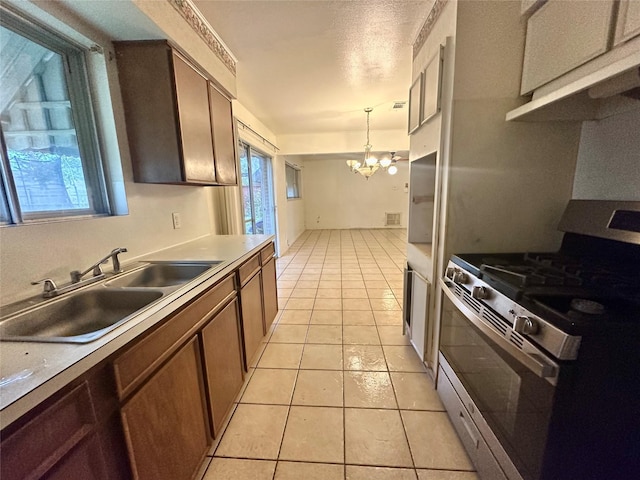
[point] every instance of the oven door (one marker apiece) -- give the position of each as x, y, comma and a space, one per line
511, 386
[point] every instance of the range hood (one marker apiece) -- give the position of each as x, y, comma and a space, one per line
594, 91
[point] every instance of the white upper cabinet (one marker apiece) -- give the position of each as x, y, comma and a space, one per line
628, 25
563, 35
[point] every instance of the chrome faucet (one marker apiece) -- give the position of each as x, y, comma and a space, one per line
76, 275
52, 290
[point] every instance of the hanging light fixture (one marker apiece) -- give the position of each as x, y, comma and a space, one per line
370, 164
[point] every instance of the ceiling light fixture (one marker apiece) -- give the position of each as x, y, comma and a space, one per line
370, 164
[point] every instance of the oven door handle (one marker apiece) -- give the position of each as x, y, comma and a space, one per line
529, 356
540, 367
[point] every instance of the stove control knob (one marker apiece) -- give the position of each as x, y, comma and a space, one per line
525, 325
450, 272
480, 293
460, 277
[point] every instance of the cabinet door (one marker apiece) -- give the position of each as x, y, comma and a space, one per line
165, 423
147, 85
562, 36
628, 25
56, 438
270, 292
252, 319
224, 143
223, 362
195, 123
419, 313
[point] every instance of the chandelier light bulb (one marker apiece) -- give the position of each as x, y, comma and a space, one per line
385, 162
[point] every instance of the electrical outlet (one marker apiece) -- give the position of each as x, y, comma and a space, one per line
177, 220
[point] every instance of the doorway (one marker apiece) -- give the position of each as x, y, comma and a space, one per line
258, 206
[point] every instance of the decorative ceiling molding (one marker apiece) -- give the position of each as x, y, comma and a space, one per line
199, 24
431, 20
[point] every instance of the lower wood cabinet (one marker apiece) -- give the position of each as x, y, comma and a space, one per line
166, 423
74, 434
270, 292
84, 461
258, 299
151, 410
223, 363
252, 321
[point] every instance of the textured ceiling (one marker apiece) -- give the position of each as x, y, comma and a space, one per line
309, 66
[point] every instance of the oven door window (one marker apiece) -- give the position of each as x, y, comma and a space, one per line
514, 401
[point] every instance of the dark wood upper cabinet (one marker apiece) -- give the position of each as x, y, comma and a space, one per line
224, 144
196, 131
180, 127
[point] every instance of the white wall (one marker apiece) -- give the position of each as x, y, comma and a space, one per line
335, 198
32, 252
608, 166
292, 209
341, 142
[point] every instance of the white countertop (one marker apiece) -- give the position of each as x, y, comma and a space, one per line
33, 371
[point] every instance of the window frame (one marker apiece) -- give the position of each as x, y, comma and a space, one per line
296, 186
78, 86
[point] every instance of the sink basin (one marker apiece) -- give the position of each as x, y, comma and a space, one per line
159, 275
78, 318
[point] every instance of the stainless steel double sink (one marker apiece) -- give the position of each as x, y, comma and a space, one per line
89, 313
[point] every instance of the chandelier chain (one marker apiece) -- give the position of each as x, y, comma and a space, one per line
368, 127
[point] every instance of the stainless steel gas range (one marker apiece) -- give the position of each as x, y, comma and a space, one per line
540, 352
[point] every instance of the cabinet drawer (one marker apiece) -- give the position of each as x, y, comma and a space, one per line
248, 269
266, 253
41, 443
138, 362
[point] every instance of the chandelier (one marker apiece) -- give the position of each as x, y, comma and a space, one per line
370, 164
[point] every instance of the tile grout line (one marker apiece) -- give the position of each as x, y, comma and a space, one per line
327, 250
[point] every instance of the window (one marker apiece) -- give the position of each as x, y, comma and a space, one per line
293, 181
257, 191
51, 165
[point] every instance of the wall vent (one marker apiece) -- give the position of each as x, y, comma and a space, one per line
398, 105
392, 219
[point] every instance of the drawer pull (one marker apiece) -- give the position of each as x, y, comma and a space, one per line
467, 427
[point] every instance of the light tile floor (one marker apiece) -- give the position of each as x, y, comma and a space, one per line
336, 391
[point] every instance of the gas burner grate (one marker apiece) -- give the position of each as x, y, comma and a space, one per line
531, 275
